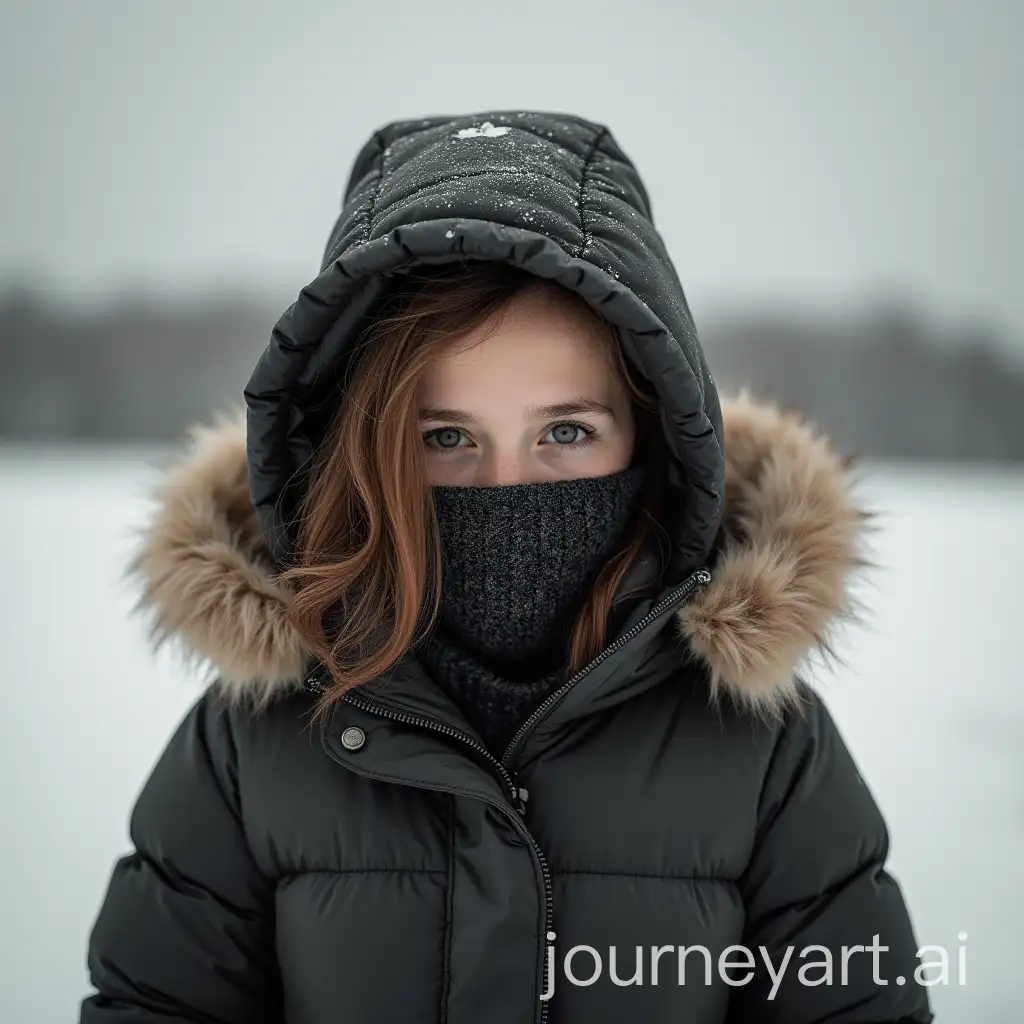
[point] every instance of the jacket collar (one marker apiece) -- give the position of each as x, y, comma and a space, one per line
780, 581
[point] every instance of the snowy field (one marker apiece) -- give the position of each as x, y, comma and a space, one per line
930, 701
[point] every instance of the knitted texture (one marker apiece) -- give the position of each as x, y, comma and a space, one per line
518, 561
494, 705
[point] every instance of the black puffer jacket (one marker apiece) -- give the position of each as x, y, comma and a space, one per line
684, 790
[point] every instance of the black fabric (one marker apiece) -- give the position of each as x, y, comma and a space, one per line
518, 561
278, 878
280, 875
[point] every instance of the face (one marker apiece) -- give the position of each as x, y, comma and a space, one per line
537, 400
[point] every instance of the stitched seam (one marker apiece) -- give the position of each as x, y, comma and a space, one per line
641, 874
366, 211
581, 199
446, 946
361, 871
359, 216
377, 187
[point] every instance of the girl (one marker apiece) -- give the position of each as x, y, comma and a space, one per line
505, 607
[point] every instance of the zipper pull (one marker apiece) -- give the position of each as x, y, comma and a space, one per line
523, 797
519, 795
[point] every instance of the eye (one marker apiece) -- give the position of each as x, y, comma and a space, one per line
445, 439
568, 434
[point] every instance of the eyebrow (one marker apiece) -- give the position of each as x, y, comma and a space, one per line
571, 408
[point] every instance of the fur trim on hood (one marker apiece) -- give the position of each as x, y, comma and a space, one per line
779, 585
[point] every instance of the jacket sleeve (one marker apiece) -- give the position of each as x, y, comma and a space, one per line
185, 931
817, 878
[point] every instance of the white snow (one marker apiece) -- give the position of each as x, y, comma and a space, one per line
487, 130
931, 704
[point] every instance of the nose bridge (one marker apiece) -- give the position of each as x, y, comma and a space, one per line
507, 468
505, 463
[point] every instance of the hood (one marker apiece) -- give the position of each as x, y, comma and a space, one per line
780, 581
552, 194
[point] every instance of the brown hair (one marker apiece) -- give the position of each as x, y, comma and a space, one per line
368, 549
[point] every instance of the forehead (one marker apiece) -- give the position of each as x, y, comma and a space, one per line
537, 342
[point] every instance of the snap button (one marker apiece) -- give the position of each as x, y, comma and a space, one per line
353, 738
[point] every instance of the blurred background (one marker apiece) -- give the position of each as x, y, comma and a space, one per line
839, 186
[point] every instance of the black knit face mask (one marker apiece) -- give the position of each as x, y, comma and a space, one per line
518, 561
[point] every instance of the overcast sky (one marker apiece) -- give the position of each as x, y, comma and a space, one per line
817, 154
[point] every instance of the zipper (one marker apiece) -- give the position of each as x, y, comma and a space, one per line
509, 776
701, 576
